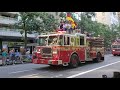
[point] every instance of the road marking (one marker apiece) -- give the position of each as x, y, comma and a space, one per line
30, 76
91, 70
57, 76
20, 71
33, 76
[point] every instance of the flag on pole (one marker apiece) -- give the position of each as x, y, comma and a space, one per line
69, 18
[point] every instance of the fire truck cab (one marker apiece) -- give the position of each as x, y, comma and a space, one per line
61, 48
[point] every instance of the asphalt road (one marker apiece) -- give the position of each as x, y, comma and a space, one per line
88, 70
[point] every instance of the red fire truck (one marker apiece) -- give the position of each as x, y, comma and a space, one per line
61, 48
116, 47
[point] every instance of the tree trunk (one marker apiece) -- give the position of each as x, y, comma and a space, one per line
25, 39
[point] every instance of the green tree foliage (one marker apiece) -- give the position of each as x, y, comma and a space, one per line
31, 22
27, 23
62, 15
49, 23
110, 33
95, 28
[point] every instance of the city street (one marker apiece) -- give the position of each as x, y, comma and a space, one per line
88, 70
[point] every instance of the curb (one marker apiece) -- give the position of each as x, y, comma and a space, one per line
16, 64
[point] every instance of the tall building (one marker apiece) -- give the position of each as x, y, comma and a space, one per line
107, 18
119, 16
10, 37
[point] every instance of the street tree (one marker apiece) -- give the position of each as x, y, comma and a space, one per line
95, 28
27, 23
62, 15
38, 22
49, 23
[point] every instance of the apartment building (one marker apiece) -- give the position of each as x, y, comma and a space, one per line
119, 16
107, 18
8, 35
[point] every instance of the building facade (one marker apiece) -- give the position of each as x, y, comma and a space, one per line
8, 35
119, 16
107, 18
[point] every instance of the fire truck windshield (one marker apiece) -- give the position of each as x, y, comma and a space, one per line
42, 41
48, 40
115, 46
53, 40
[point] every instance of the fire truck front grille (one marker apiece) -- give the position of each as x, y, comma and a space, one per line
34, 57
46, 50
46, 55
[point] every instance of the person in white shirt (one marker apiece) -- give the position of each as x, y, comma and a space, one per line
67, 26
28, 54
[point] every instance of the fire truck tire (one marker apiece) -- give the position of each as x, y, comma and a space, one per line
102, 58
51, 65
98, 57
74, 61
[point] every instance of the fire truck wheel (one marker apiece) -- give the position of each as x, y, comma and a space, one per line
102, 58
74, 61
51, 65
99, 56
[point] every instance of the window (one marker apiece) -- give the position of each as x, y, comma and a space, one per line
42, 41
66, 40
114, 46
77, 41
61, 40
53, 40
103, 13
82, 40
56, 13
72, 41
114, 13
118, 46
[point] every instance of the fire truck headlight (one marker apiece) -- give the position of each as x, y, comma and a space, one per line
113, 50
55, 52
38, 51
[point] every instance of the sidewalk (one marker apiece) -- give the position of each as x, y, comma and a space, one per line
25, 61
15, 64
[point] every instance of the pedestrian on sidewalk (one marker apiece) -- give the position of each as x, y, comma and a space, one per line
4, 57
28, 54
18, 56
12, 56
